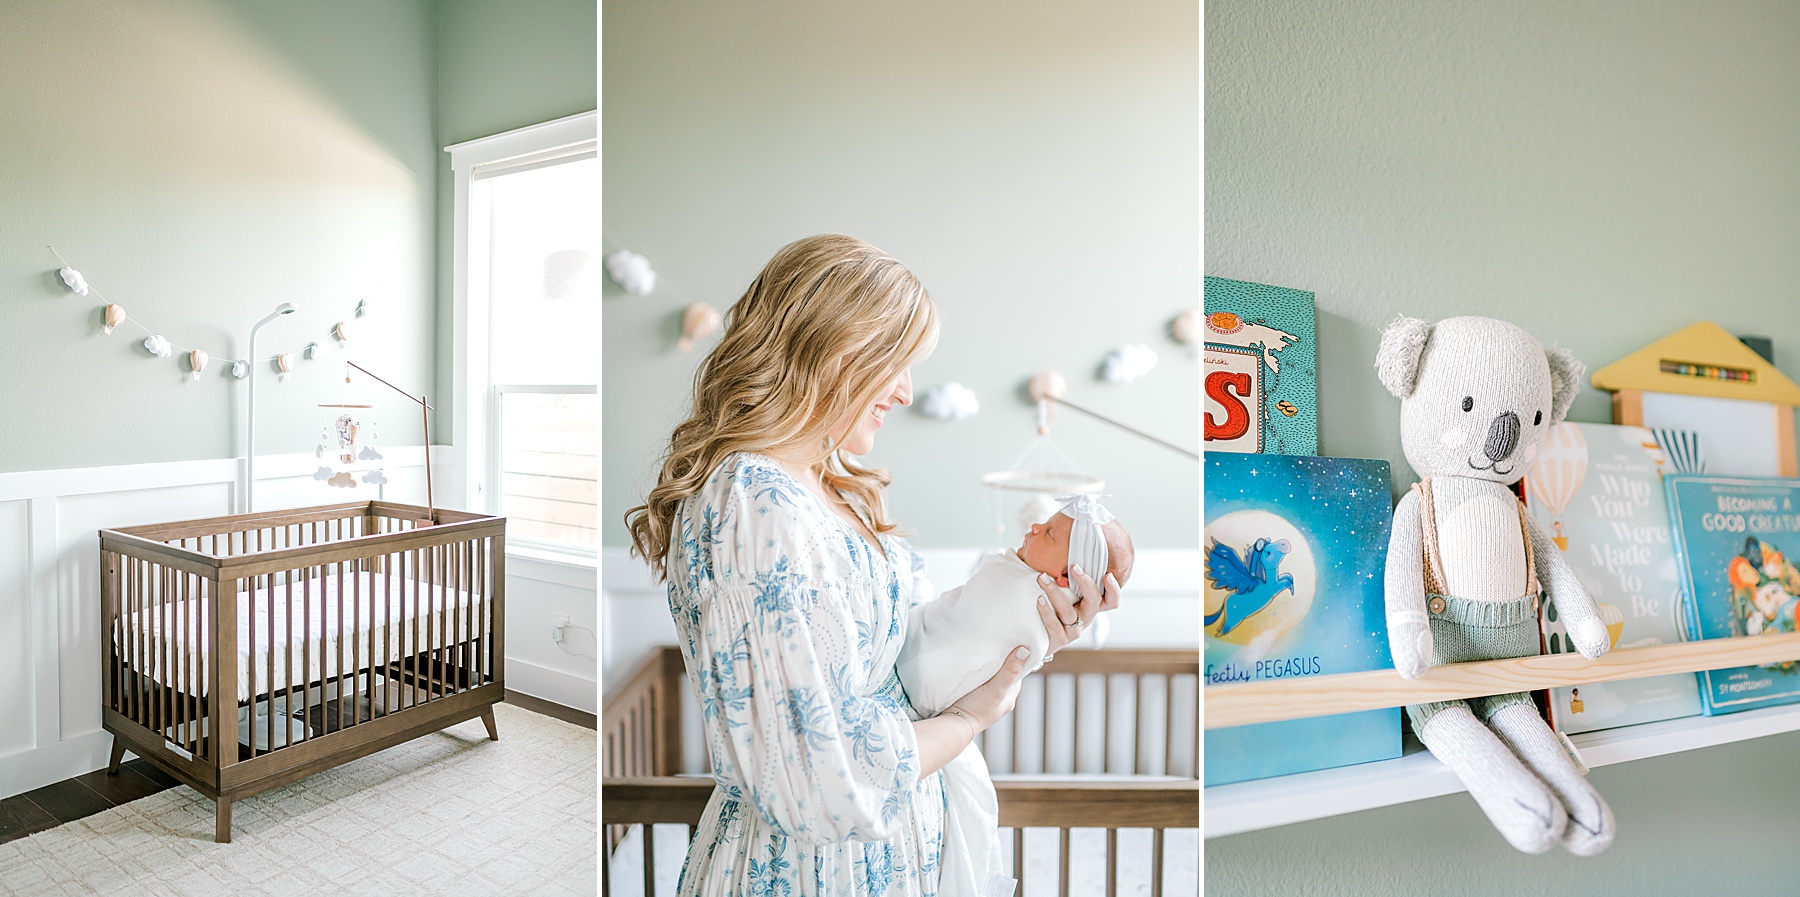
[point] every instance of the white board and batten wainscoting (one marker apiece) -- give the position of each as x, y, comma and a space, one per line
50, 643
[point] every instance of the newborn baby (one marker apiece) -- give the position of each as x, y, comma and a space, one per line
960, 640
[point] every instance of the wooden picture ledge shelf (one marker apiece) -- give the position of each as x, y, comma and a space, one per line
1283, 800
1278, 699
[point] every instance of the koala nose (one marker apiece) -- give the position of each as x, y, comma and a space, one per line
1502, 438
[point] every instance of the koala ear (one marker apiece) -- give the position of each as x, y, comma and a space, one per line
1397, 360
1565, 381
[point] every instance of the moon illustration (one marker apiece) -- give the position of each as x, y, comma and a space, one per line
1239, 530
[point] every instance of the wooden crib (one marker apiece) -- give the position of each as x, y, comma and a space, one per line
359, 626
1089, 746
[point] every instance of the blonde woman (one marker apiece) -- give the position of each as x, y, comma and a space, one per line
790, 589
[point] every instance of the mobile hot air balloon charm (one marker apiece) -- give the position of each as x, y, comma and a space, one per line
346, 446
1557, 473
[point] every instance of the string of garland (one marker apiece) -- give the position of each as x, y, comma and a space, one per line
161, 347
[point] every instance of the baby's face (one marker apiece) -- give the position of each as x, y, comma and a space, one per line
1046, 547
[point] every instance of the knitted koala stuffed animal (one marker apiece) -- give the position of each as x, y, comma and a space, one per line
1466, 565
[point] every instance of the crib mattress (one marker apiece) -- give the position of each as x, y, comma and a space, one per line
383, 616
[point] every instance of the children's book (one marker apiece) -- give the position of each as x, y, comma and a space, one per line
1732, 540
1598, 489
1296, 549
1261, 369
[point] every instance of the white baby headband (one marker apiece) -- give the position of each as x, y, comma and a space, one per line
1087, 544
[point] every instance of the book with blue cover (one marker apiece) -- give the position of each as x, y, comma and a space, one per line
1597, 488
1261, 369
1296, 549
1733, 537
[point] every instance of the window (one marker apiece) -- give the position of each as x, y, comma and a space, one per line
527, 292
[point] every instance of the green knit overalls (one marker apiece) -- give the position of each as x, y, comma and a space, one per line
1463, 630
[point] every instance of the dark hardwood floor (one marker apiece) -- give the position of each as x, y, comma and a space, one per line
71, 799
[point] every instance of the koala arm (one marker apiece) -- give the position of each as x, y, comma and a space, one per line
1573, 604
1409, 629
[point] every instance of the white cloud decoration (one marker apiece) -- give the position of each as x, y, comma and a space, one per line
240, 369
632, 272
158, 346
75, 281
950, 401
1128, 363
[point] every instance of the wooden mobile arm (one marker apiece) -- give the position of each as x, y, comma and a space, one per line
425, 410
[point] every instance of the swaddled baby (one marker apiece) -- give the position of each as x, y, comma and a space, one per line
960, 640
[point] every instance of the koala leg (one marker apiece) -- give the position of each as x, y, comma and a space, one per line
1591, 825
1515, 800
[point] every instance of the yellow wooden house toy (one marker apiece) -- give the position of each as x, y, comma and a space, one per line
1703, 379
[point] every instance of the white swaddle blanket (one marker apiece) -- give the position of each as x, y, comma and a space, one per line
952, 645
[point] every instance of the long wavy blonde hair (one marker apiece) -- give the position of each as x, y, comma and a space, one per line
827, 326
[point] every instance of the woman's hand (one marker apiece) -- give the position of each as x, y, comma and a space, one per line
994, 699
1064, 617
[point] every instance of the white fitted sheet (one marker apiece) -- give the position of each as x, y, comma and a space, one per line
379, 616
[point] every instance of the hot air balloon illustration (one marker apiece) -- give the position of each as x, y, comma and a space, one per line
1615, 623
1558, 472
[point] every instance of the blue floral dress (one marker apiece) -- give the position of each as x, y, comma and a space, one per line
790, 625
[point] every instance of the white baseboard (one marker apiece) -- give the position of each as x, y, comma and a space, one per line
36, 767
554, 686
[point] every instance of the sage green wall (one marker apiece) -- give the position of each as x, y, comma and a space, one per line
1033, 165
503, 64
201, 161
1601, 174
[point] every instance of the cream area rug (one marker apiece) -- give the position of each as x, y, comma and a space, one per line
449, 812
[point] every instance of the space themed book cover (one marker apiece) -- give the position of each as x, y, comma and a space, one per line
1597, 488
1261, 365
1296, 549
1733, 540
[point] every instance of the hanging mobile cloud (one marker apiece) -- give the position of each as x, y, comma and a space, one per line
632, 272
950, 401
157, 346
1128, 363
240, 369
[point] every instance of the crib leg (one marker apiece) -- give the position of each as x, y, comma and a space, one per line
222, 821
487, 719
118, 755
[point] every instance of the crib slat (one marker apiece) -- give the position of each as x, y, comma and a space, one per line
1019, 857
1156, 862
304, 636
649, 859
269, 593
1062, 886
189, 658
1112, 862
1169, 726
287, 705
1106, 723
165, 699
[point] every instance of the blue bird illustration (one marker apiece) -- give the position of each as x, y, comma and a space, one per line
1247, 579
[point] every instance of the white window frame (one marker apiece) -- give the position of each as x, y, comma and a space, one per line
476, 428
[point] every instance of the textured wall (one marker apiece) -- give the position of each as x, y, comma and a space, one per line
201, 161
1036, 169
1601, 174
